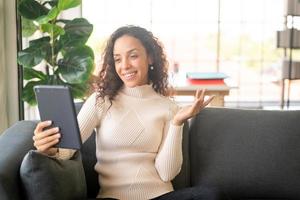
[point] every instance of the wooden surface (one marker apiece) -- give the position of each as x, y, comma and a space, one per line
220, 91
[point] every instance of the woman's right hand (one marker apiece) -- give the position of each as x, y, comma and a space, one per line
44, 139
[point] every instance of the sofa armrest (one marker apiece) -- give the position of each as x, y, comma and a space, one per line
15, 142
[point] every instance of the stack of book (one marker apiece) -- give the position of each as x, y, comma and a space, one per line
206, 78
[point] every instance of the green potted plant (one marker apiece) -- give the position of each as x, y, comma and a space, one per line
60, 56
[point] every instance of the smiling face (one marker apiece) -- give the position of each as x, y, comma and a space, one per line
131, 61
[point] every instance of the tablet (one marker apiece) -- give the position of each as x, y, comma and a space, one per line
55, 103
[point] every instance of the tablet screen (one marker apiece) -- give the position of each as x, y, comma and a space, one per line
55, 103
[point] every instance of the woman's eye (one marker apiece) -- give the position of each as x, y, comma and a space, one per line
133, 56
117, 60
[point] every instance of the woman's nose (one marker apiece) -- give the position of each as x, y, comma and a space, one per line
125, 64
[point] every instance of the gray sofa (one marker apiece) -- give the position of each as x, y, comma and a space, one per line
245, 154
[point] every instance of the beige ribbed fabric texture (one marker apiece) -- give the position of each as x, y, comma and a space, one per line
138, 148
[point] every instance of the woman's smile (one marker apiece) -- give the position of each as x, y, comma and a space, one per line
130, 75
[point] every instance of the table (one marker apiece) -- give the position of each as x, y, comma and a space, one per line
218, 90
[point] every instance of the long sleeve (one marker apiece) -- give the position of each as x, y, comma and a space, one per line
89, 116
88, 119
169, 158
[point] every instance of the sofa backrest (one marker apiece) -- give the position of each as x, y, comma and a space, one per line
247, 153
88, 152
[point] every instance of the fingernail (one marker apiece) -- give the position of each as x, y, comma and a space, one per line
49, 122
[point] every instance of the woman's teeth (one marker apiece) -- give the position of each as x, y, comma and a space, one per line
129, 75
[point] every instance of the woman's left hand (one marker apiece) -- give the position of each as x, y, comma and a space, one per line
189, 111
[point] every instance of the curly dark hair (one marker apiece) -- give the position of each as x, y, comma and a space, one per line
108, 82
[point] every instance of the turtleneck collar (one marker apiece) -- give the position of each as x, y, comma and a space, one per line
143, 91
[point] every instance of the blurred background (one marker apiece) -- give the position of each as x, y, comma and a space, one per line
236, 37
252, 44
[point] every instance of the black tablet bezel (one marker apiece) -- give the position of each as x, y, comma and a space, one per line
55, 103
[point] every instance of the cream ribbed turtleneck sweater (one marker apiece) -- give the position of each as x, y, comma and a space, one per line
138, 149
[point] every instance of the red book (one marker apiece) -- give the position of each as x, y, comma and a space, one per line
206, 81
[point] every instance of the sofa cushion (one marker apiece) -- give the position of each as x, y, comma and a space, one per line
50, 179
247, 153
88, 152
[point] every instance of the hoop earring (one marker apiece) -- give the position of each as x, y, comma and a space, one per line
151, 67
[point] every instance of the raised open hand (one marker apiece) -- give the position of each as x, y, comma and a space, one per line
189, 111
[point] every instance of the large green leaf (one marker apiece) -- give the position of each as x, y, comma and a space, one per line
52, 14
28, 27
37, 51
53, 29
84, 50
31, 56
31, 9
78, 90
66, 4
76, 65
30, 73
77, 33
39, 41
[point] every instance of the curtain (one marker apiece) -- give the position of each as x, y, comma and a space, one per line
3, 83
9, 101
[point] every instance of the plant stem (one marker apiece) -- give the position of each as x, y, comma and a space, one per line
52, 47
53, 56
47, 70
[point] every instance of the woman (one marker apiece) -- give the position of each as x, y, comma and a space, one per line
139, 129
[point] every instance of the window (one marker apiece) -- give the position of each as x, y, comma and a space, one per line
232, 36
